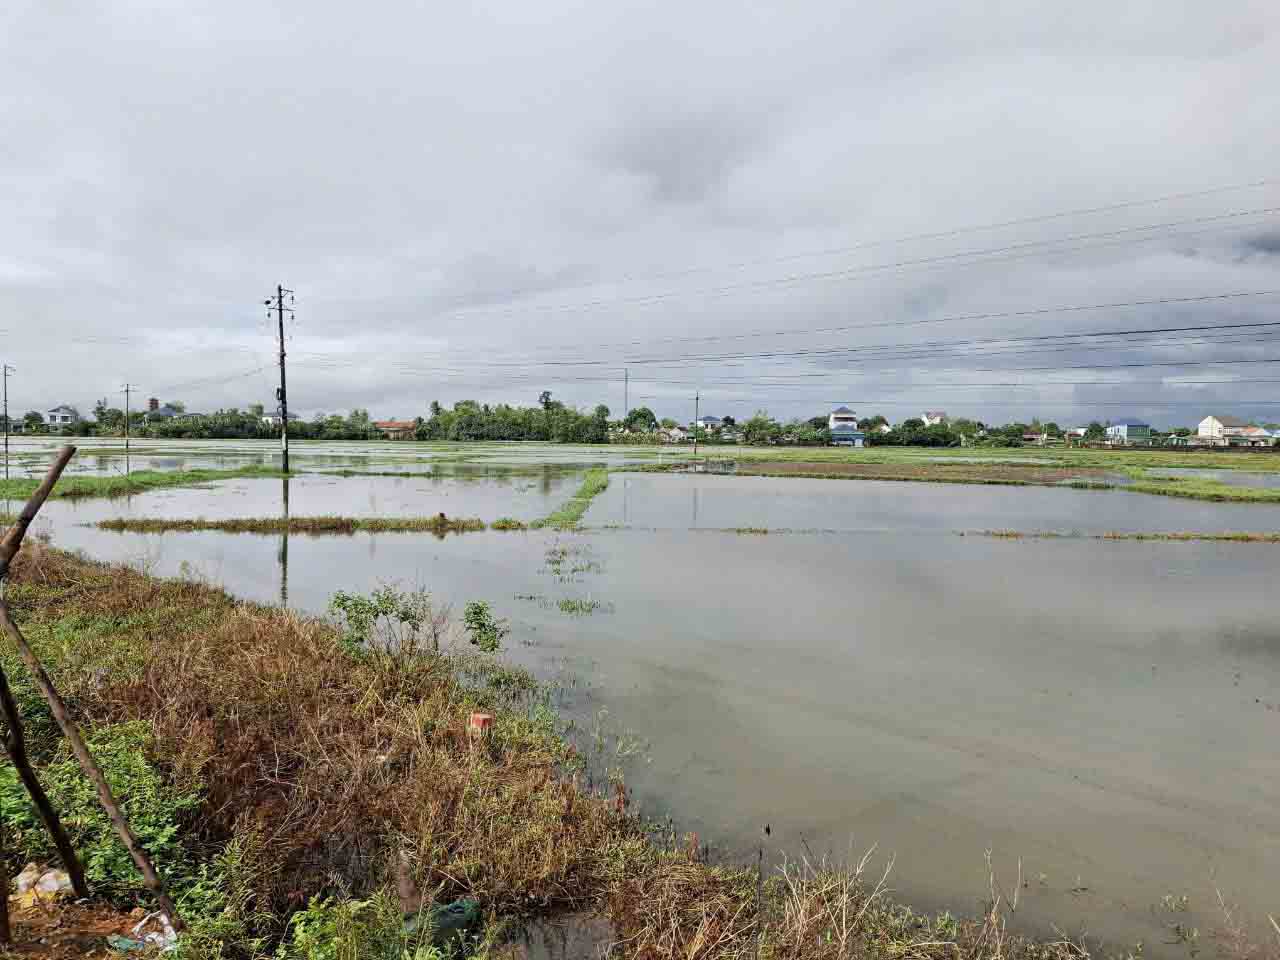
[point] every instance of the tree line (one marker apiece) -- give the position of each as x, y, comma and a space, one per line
550, 420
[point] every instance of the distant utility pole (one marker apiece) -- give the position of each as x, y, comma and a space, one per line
626, 393
7, 370
128, 388
282, 396
697, 397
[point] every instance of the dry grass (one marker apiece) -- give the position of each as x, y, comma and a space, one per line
346, 770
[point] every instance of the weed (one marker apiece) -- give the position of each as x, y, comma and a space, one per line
483, 630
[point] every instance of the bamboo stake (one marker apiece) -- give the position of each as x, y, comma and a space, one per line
8, 549
6, 934
15, 745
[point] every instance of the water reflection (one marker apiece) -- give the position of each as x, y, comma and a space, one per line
283, 554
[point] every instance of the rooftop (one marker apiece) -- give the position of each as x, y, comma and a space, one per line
1229, 421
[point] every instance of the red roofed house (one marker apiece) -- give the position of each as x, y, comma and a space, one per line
396, 429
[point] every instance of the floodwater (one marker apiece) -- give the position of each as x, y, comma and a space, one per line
30, 456
1106, 713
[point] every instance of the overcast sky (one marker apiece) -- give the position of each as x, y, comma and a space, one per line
471, 198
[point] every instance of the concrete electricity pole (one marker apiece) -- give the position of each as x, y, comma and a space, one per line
7, 370
128, 388
282, 395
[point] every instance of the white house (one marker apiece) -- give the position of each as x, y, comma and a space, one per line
843, 424
932, 418
1220, 430
676, 434
709, 423
62, 416
842, 416
273, 419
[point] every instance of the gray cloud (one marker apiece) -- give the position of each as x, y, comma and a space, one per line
455, 188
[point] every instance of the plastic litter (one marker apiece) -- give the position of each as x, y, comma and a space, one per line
446, 921
28, 878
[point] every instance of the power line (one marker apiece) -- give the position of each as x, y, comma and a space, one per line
889, 241
792, 279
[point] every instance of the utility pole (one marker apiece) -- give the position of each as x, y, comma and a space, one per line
7, 370
697, 397
282, 396
626, 393
128, 388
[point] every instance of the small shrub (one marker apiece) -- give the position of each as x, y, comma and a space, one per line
483, 630
370, 929
387, 618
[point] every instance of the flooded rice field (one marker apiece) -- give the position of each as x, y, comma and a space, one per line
1105, 713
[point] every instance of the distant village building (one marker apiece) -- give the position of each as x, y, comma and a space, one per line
62, 416
157, 412
710, 423
1129, 432
273, 419
396, 429
676, 434
933, 418
843, 425
1219, 430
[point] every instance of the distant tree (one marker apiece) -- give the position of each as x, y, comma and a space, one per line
728, 421
873, 423
544, 398
668, 424
817, 423
640, 419
33, 421
1095, 431
1052, 429
257, 410
176, 405
435, 408
1187, 431
761, 429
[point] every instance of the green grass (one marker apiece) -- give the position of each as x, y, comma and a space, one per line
439, 524
1199, 488
508, 523
566, 517
119, 485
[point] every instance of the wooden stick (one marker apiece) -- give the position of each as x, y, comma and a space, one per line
15, 745
8, 549
6, 935
13, 538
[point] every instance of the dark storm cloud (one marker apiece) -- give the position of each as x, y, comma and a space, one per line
1267, 242
450, 189
683, 155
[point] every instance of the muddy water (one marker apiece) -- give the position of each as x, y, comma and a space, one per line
1105, 712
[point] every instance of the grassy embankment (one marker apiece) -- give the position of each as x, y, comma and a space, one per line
565, 517
1188, 536
120, 485
1091, 472
304, 784
439, 524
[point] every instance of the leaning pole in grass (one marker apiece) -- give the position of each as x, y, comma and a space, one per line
15, 742
8, 549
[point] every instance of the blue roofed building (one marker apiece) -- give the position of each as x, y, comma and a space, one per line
1129, 432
